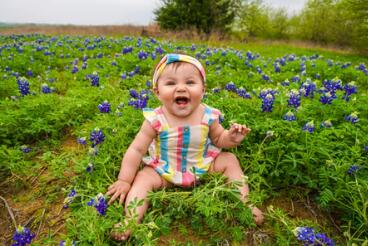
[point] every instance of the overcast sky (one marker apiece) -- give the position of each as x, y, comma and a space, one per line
96, 12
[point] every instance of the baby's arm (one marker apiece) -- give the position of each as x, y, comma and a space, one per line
131, 161
227, 138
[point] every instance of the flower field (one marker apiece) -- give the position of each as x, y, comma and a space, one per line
71, 105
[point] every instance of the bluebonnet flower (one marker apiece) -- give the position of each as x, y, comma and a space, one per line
310, 238
127, 50
250, 56
22, 236
96, 137
277, 68
142, 55
230, 86
69, 199
23, 86
89, 167
285, 82
353, 169
243, 93
268, 98
332, 85
84, 65
216, 90
113, 63
82, 140
25, 148
317, 76
366, 148
193, 47
345, 65
329, 62
104, 107
265, 77
294, 98
159, 50
133, 93
100, 203
326, 124
308, 88
353, 117
291, 57
123, 76
349, 89
29, 73
94, 78
296, 78
99, 55
309, 127
259, 70
327, 98
75, 69
361, 67
289, 116
138, 103
45, 88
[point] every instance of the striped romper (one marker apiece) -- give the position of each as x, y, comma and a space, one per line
181, 154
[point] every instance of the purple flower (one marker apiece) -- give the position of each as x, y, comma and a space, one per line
353, 117
285, 82
23, 86
265, 77
69, 199
353, 169
308, 88
326, 124
46, 89
327, 98
309, 127
67, 243
104, 107
75, 69
289, 116
89, 167
142, 55
22, 236
294, 98
309, 238
243, 93
25, 148
123, 76
133, 93
94, 78
29, 73
366, 148
349, 89
268, 98
216, 90
96, 137
82, 140
100, 203
230, 86
296, 78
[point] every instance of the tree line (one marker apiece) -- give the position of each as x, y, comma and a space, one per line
339, 22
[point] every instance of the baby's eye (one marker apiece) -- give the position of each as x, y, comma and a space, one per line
170, 83
190, 82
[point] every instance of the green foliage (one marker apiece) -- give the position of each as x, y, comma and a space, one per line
203, 16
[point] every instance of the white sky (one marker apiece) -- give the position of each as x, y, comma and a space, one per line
96, 12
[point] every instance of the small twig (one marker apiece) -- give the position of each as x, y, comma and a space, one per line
9, 211
29, 220
43, 169
333, 222
41, 220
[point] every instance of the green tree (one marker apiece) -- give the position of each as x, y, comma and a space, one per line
203, 15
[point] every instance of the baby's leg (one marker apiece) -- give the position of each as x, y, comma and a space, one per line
227, 164
145, 181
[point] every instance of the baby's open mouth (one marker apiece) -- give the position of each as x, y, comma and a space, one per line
181, 100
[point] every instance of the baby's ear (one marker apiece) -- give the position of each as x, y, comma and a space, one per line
155, 90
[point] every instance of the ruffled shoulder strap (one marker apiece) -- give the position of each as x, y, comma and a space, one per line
151, 115
210, 115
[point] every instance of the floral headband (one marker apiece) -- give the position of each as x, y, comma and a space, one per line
171, 58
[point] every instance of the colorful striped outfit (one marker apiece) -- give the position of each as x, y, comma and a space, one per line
181, 154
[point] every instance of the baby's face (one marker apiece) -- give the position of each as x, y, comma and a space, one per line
180, 88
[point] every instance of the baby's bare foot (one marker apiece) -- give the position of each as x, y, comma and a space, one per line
257, 215
119, 235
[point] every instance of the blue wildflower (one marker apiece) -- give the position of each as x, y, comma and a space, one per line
327, 98
75, 69
353, 117
309, 127
67, 242
123, 76
349, 89
308, 88
22, 236
326, 124
294, 98
353, 169
45, 88
104, 107
289, 116
89, 167
69, 199
29, 73
142, 55
100, 203
243, 93
94, 79
230, 86
285, 82
265, 77
216, 90
96, 137
296, 78
23, 86
82, 140
366, 148
133, 93
25, 148
268, 98
310, 238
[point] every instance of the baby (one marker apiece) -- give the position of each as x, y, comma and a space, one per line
183, 136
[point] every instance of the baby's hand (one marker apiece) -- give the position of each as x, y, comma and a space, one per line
119, 188
237, 132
